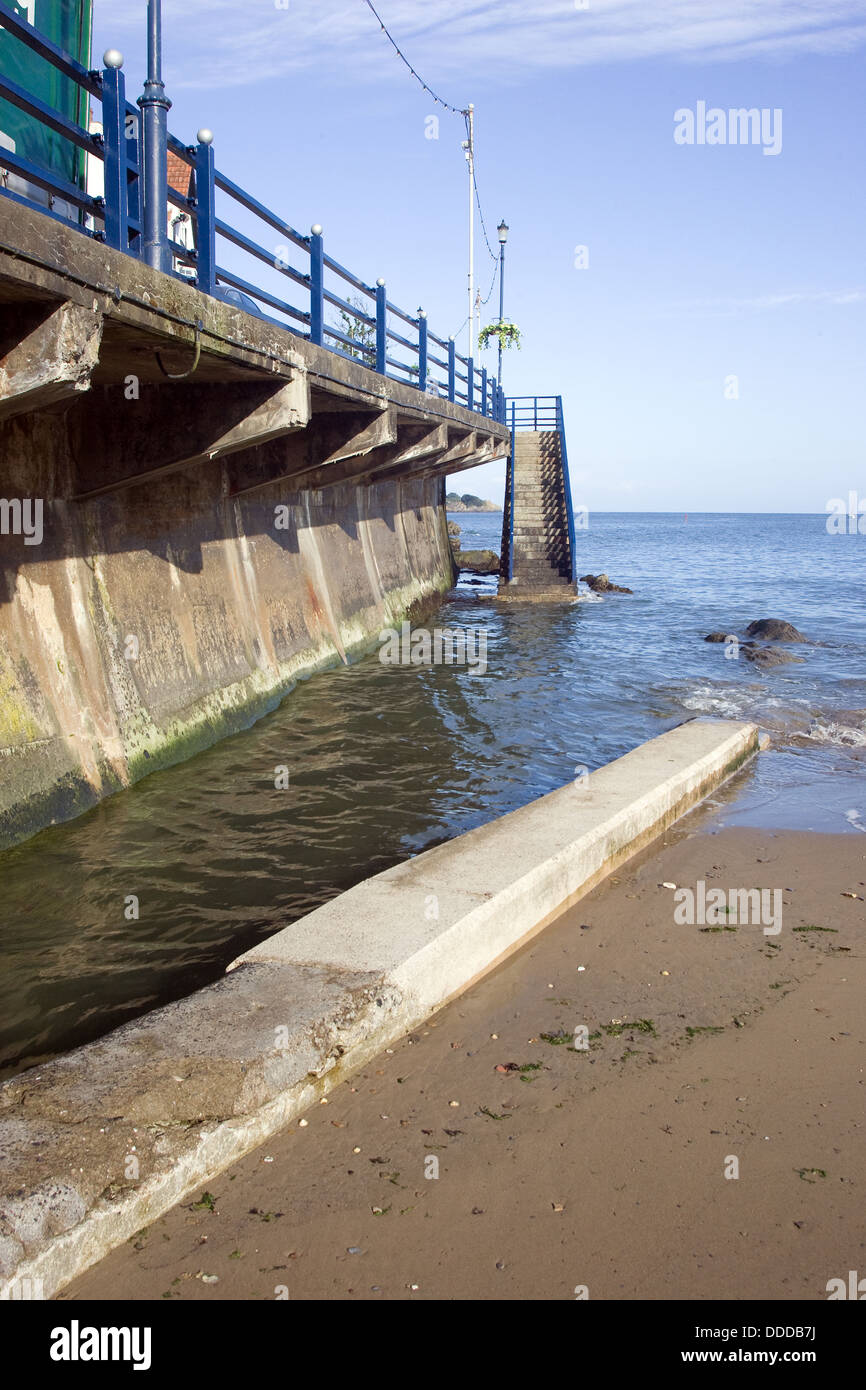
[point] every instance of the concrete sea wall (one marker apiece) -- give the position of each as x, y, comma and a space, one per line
151, 622
197, 506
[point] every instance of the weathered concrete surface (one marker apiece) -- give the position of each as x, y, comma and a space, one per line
48, 354
434, 922
136, 636
224, 508
99, 1143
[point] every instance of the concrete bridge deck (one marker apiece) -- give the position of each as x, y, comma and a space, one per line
87, 327
197, 507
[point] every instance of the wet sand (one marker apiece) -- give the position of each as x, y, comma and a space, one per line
561, 1169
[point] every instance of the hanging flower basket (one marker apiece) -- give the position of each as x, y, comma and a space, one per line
502, 332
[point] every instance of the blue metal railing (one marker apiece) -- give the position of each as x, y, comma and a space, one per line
544, 413
366, 328
566, 483
511, 494
535, 412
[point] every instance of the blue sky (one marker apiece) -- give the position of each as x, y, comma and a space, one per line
706, 262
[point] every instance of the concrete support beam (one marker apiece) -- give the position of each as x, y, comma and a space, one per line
47, 355
126, 434
468, 451
487, 449
416, 441
332, 440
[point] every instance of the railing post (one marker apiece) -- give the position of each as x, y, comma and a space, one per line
452, 368
535, 412
135, 211
566, 483
483, 390
511, 496
470, 383
381, 327
114, 147
422, 350
205, 240
317, 285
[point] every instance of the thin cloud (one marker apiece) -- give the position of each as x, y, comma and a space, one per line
729, 307
452, 41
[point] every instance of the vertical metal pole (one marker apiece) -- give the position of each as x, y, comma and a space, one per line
483, 390
317, 286
566, 484
422, 350
511, 496
135, 210
114, 137
470, 383
205, 215
381, 327
471, 161
452, 369
155, 106
501, 300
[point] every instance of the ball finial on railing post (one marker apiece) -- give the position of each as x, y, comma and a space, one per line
380, 281
316, 229
204, 136
112, 58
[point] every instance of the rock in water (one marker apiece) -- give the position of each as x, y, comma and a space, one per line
716, 637
766, 656
600, 584
479, 561
774, 630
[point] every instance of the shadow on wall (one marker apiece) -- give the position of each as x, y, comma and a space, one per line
172, 517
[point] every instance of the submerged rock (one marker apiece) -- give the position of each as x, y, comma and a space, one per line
768, 629
766, 656
478, 561
774, 630
600, 584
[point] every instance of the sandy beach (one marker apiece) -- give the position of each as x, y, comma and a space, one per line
605, 1171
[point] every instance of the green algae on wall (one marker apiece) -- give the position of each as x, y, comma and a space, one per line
208, 674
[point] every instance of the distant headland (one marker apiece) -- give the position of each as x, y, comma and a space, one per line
467, 503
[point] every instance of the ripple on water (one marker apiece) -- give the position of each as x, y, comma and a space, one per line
385, 762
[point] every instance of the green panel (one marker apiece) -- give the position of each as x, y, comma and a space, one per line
67, 23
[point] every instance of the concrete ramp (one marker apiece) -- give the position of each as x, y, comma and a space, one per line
191, 1087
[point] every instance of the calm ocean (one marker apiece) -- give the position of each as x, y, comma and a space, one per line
386, 761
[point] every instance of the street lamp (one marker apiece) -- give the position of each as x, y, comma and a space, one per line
154, 112
502, 231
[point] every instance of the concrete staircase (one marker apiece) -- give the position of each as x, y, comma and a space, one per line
542, 550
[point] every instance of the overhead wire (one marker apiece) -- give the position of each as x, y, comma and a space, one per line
457, 110
481, 301
493, 254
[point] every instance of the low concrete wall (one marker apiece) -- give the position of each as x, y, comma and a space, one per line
97, 1144
152, 622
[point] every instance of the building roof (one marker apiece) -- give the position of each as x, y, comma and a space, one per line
179, 174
